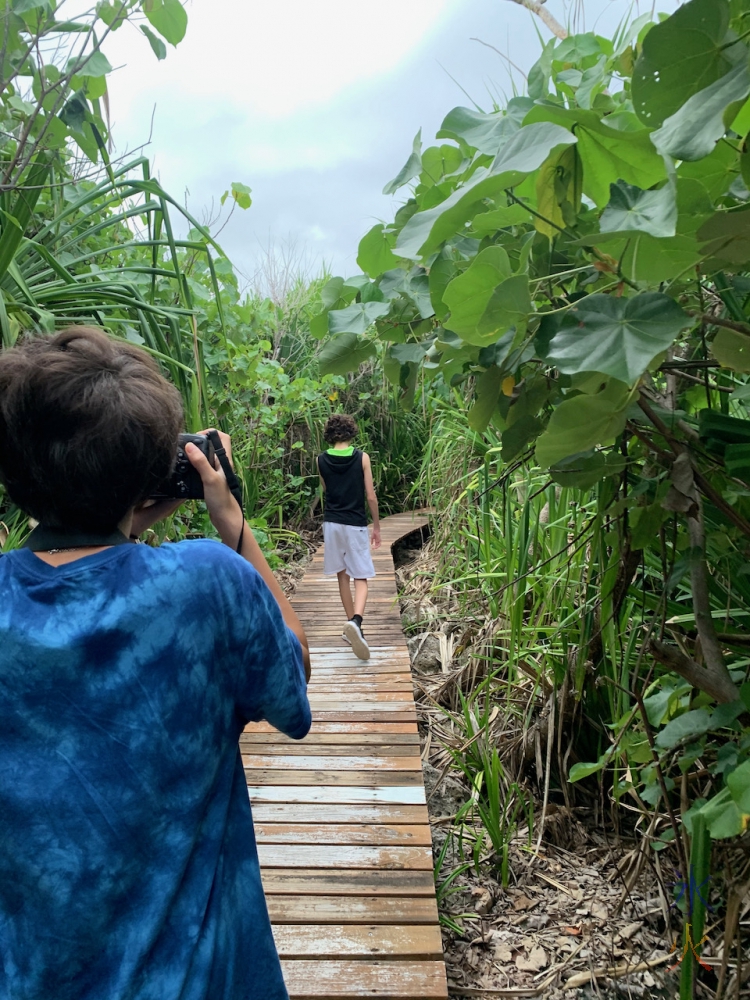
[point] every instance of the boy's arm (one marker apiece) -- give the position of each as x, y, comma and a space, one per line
372, 500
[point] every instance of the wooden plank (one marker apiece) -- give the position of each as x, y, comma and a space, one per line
331, 762
358, 779
336, 941
407, 740
387, 750
343, 726
313, 856
301, 794
310, 980
347, 882
323, 814
352, 909
386, 700
370, 834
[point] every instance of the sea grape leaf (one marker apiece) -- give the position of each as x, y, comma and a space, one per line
486, 133
344, 353
517, 437
486, 395
688, 726
356, 318
727, 236
632, 209
732, 350
375, 254
168, 17
468, 295
680, 57
617, 336
586, 470
500, 218
693, 131
715, 172
410, 169
509, 306
524, 153
412, 351
581, 422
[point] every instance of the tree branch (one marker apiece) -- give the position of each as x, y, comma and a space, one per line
722, 688
541, 12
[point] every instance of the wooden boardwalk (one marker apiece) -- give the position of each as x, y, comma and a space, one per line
340, 817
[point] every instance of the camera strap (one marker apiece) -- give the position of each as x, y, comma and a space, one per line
43, 538
235, 487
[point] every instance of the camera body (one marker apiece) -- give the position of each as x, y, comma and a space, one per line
185, 483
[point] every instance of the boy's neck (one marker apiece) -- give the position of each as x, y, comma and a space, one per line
341, 445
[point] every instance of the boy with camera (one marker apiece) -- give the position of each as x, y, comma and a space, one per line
346, 479
128, 865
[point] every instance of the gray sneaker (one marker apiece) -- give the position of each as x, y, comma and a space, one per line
353, 635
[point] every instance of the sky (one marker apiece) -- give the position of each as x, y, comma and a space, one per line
314, 105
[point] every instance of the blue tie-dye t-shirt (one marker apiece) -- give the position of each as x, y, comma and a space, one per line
128, 865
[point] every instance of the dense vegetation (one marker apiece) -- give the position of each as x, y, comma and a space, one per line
554, 329
572, 271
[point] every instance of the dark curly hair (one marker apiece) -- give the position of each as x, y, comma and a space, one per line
88, 427
340, 427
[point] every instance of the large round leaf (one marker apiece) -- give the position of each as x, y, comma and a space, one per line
617, 336
468, 295
631, 209
344, 353
681, 56
582, 422
356, 318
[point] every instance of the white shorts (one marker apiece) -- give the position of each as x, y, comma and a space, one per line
347, 547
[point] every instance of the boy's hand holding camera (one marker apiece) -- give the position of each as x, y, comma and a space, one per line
228, 519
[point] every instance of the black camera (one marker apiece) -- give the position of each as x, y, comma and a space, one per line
185, 483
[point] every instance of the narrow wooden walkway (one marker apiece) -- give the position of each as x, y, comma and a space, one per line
341, 820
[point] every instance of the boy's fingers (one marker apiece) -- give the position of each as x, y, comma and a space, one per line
199, 462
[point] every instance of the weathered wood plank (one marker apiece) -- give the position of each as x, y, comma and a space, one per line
326, 813
336, 941
371, 834
331, 762
304, 749
310, 857
407, 740
352, 909
352, 795
343, 726
357, 779
347, 882
309, 980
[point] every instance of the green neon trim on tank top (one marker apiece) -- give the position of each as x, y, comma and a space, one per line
344, 452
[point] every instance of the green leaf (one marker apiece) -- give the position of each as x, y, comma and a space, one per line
241, 194
584, 770
732, 350
486, 133
344, 353
168, 17
558, 192
403, 353
468, 295
693, 131
646, 523
157, 45
486, 395
94, 65
21, 6
375, 254
631, 209
521, 156
723, 817
582, 422
617, 336
520, 434
585, 470
356, 318
680, 57
409, 170
686, 727
727, 236
738, 783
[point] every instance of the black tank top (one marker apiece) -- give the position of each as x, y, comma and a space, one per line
344, 477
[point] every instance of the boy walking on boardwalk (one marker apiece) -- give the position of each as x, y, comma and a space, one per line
346, 478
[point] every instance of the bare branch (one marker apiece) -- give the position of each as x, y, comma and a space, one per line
541, 12
721, 687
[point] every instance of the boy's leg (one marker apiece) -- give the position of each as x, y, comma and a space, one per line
360, 598
346, 592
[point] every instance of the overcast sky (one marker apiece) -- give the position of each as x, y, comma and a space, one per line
314, 105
